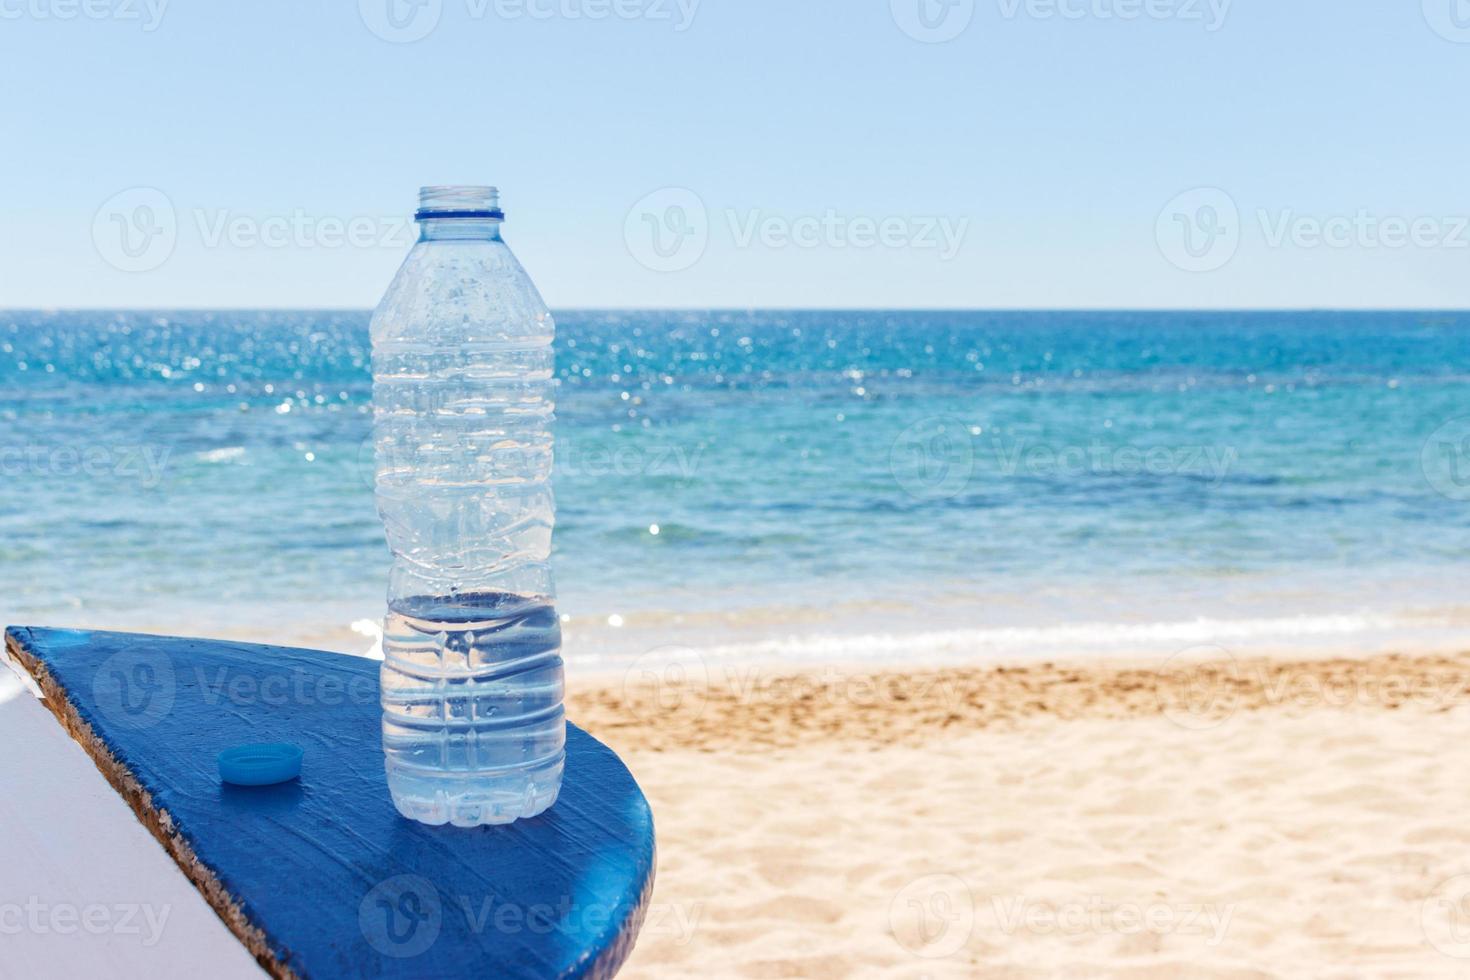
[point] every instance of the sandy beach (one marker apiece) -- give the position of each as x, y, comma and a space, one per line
1237, 818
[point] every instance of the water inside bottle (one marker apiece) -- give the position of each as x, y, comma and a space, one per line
473, 724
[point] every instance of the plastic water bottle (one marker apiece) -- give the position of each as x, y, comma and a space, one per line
473, 726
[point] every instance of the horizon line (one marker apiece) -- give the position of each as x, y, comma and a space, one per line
768, 309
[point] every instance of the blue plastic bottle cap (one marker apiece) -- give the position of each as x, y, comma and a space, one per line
260, 763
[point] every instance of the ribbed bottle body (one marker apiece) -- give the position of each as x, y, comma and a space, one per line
473, 726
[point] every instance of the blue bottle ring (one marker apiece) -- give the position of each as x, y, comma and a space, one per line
424, 214
260, 763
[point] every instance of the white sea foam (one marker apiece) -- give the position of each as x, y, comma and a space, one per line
1081, 639
373, 630
224, 455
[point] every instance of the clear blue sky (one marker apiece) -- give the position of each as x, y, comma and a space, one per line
1049, 136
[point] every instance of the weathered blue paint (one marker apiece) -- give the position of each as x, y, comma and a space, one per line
320, 875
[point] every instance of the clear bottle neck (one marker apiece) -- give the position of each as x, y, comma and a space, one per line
459, 212
458, 229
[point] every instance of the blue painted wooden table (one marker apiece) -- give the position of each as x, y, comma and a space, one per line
321, 877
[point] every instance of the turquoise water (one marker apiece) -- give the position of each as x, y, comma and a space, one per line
822, 484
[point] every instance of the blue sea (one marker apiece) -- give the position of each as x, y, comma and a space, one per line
879, 486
